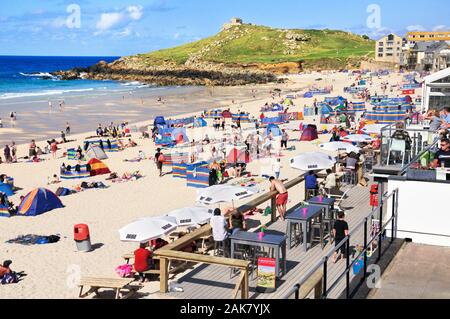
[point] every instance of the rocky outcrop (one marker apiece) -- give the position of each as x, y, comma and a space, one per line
133, 69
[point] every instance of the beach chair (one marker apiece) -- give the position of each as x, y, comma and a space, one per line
118, 285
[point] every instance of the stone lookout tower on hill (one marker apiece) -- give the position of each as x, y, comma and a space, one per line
233, 22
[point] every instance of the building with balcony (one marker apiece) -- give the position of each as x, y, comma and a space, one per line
414, 37
389, 49
427, 56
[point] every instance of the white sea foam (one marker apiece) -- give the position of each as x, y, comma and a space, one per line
37, 75
6, 96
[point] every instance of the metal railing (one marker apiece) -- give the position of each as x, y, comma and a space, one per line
379, 236
419, 145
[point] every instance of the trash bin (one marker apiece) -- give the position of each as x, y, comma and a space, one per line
374, 195
82, 237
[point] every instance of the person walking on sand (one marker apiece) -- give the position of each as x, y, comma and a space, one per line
50, 106
340, 231
14, 152
67, 128
159, 160
282, 197
53, 148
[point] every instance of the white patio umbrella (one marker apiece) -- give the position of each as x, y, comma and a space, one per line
373, 128
147, 229
339, 147
313, 161
358, 138
223, 194
190, 216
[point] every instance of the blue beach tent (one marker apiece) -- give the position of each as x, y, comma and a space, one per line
39, 201
274, 129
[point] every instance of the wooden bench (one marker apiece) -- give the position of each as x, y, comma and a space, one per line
116, 284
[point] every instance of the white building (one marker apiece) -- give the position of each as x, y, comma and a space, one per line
436, 90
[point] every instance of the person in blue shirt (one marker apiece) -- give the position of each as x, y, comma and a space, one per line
446, 118
311, 181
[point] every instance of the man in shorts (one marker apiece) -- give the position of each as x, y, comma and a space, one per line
282, 197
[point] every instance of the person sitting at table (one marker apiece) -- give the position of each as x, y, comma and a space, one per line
329, 184
143, 260
237, 222
311, 182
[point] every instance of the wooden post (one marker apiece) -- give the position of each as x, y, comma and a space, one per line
318, 289
273, 209
164, 275
244, 288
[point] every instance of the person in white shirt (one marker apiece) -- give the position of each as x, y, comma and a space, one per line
330, 182
219, 227
277, 168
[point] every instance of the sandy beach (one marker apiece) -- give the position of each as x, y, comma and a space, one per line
53, 269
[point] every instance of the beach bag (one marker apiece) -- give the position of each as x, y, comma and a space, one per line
161, 158
124, 271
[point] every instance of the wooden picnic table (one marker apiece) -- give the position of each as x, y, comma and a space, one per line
116, 284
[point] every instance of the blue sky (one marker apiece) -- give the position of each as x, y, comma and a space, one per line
125, 27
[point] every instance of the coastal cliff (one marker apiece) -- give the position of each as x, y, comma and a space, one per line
238, 55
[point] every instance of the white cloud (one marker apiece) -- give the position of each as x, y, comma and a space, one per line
109, 20
135, 12
415, 27
123, 34
441, 28
121, 19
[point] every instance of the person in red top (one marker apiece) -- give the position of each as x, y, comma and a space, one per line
53, 148
142, 260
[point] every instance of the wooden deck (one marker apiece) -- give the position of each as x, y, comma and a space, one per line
214, 282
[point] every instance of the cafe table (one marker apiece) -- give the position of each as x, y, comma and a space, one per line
272, 241
324, 202
303, 216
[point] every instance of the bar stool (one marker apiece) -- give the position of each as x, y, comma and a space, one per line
350, 176
310, 193
296, 231
220, 248
241, 254
314, 227
257, 253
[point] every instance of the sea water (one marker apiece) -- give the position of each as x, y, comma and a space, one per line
29, 76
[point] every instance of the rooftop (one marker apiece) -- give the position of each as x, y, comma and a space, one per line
417, 272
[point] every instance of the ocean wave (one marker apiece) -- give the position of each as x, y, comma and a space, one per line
133, 83
37, 74
6, 96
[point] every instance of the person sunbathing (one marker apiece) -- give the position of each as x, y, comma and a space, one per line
54, 180
131, 143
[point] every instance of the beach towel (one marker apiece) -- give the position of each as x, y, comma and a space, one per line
30, 239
